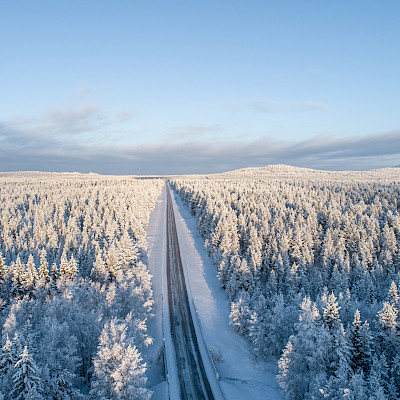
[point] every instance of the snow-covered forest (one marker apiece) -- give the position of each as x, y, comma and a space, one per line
75, 291
311, 264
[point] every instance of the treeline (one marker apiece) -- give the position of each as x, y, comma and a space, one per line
312, 272
75, 291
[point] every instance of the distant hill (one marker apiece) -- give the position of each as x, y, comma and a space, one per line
38, 175
276, 171
35, 173
271, 169
282, 171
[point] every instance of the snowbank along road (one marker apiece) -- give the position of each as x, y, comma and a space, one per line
193, 380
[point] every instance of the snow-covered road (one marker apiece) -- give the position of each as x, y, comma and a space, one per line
195, 373
240, 376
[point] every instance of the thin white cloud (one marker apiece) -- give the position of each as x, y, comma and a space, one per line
193, 132
307, 106
125, 115
86, 122
87, 117
267, 105
264, 105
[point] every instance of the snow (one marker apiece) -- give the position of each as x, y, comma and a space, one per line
156, 249
163, 387
240, 376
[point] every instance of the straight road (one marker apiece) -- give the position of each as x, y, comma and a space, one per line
193, 380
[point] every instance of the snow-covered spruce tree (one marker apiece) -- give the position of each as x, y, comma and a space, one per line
73, 270
30, 276
378, 378
54, 275
271, 325
393, 295
59, 361
357, 387
360, 345
8, 359
331, 310
127, 252
99, 271
119, 369
338, 365
44, 277
240, 314
302, 367
3, 270
17, 278
64, 269
337, 343
387, 335
26, 379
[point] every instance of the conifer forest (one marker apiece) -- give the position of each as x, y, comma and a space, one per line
75, 292
309, 262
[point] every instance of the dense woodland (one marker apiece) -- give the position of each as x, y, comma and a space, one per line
75, 291
311, 265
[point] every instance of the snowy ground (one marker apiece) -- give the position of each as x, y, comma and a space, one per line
241, 378
155, 241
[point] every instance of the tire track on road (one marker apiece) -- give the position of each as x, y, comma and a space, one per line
193, 379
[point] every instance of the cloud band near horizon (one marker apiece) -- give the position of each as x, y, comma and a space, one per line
21, 152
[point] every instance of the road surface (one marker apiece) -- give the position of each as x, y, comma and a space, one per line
193, 380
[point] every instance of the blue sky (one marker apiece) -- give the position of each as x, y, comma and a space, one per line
156, 87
